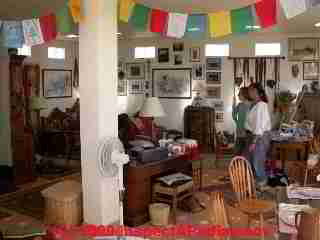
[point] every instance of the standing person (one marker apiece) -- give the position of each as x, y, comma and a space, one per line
258, 125
239, 115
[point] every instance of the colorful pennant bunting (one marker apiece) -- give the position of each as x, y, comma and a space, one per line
267, 12
197, 26
75, 9
64, 20
12, 34
126, 8
140, 17
177, 23
219, 24
159, 20
293, 8
32, 32
240, 20
48, 27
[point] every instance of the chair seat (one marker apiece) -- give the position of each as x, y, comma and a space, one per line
171, 190
256, 206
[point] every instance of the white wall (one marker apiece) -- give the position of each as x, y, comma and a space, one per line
5, 133
39, 55
240, 46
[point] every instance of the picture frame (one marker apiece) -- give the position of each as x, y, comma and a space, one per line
135, 70
198, 71
311, 70
174, 83
214, 92
214, 63
56, 83
122, 87
195, 54
300, 49
178, 59
218, 105
213, 78
163, 55
219, 117
178, 47
136, 86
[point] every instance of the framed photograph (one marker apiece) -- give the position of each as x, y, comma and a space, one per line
57, 83
136, 86
214, 92
310, 70
195, 54
135, 70
219, 117
122, 87
163, 55
178, 59
172, 83
218, 106
300, 49
213, 64
213, 77
178, 47
198, 72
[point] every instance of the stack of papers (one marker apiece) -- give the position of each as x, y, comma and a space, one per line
170, 179
303, 192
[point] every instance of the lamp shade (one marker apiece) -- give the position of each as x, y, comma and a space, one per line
37, 103
152, 108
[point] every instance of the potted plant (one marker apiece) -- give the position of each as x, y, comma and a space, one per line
284, 100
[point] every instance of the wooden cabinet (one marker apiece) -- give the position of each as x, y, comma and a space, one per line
21, 130
199, 124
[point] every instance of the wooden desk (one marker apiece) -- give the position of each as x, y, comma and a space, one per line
301, 148
138, 184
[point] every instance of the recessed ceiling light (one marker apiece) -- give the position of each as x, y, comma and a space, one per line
317, 24
253, 27
72, 36
119, 33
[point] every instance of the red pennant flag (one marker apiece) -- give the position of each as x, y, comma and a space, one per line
267, 12
48, 27
159, 20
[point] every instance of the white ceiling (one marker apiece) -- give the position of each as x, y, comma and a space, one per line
304, 23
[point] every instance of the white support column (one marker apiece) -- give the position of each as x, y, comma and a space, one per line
98, 81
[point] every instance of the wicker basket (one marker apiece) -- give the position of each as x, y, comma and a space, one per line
159, 214
63, 203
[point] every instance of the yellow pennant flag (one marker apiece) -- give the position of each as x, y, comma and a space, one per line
126, 8
219, 24
75, 9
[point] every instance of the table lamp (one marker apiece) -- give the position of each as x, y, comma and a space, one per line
152, 108
37, 104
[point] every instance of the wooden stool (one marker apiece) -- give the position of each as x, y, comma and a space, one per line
172, 194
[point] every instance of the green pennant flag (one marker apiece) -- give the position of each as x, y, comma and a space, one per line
140, 17
35, 13
241, 20
64, 20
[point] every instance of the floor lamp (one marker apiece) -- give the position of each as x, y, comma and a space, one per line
152, 108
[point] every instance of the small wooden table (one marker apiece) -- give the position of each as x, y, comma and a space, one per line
301, 148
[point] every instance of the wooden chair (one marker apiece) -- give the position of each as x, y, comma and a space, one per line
218, 213
243, 184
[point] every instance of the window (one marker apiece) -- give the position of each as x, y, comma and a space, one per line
217, 50
144, 52
56, 53
268, 49
25, 51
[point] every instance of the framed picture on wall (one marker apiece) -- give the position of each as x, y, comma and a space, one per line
171, 83
57, 83
198, 71
178, 47
163, 55
122, 87
213, 64
311, 70
195, 54
303, 49
219, 117
214, 92
136, 86
213, 77
135, 70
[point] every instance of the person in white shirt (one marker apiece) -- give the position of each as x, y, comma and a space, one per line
258, 126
